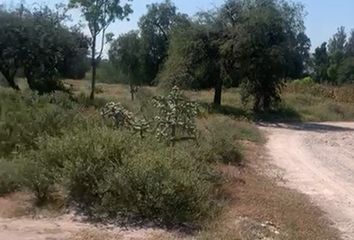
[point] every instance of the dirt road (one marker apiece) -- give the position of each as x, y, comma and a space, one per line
318, 160
64, 228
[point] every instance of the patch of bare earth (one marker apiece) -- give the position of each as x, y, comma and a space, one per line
19, 220
318, 160
262, 209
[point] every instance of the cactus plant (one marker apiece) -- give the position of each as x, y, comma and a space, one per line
122, 118
175, 119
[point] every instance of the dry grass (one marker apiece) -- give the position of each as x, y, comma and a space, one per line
129, 234
94, 235
110, 91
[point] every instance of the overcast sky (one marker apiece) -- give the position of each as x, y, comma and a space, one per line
324, 16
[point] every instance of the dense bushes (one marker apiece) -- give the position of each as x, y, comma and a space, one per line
113, 174
217, 142
107, 173
61, 149
220, 137
10, 179
39, 44
25, 117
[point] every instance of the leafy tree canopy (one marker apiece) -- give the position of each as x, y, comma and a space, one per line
41, 45
155, 28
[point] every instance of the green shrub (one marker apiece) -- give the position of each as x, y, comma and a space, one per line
307, 81
113, 174
10, 179
45, 167
38, 176
24, 117
175, 119
159, 186
218, 141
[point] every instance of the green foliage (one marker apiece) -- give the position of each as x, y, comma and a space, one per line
10, 178
191, 59
349, 46
217, 142
307, 81
261, 50
25, 117
107, 73
112, 174
345, 73
266, 43
155, 29
175, 118
124, 119
125, 54
74, 62
168, 188
337, 42
42, 46
335, 66
38, 174
100, 14
10, 56
77, 160
320, 63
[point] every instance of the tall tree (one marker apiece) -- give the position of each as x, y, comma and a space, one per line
336, 50
299, 56
155, 27
10, 46
74, 63
266, 45
337, 42
320, 63
125, 54
261, 55
35, 41
349, 46
100, 14
346, 71
192, 59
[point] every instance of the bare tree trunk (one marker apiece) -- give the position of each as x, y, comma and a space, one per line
218, 92
94, 66
132, 89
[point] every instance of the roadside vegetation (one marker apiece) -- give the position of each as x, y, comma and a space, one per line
163, 132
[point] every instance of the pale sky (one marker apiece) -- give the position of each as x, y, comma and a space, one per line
323, 18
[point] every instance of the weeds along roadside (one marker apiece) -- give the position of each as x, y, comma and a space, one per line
111, 173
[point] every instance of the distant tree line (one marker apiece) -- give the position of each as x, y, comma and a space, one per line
333, 62
253, 44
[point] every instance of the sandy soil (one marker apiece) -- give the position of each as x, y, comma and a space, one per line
318, 159
68, 227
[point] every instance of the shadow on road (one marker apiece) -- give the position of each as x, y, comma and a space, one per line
314, 127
